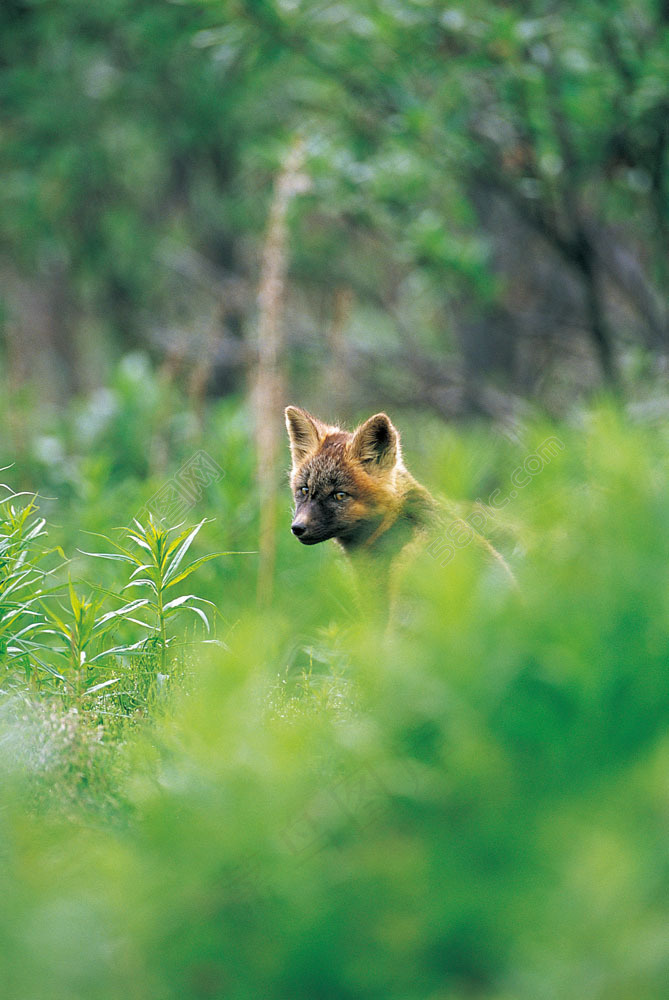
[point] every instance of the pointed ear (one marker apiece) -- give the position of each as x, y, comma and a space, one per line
303, 433
376, 443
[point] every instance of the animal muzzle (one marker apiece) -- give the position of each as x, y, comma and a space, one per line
308, 534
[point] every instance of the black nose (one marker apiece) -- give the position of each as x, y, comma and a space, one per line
297, 529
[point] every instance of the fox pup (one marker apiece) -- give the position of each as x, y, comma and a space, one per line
354, 487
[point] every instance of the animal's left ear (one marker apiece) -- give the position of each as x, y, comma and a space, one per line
376, 443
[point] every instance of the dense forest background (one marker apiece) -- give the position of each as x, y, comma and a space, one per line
480, 210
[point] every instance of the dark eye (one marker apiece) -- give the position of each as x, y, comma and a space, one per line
303, 491
340, 495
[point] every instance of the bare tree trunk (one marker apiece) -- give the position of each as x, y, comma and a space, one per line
599, 329
269, 393
336, 377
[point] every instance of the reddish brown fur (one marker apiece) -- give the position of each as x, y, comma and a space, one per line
354, 487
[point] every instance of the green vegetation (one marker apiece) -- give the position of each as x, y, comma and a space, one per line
69, 646
222, 777
484, 201
473, 804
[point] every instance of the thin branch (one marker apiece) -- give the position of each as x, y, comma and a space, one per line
269, 393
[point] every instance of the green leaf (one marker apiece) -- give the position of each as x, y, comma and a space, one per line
136, 648
177, 541
178, 601
181, 551
36, 530
119, 613
141, 583
199, 612
64, 629
74, 599
141, 569
185, 573
49, 669
103, 684
183, 603
106, 555
109, 555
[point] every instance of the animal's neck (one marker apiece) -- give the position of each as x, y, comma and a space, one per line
382, 538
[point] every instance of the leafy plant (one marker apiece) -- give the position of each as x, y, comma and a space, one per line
70, 640
158, 568
81, 628
21, 578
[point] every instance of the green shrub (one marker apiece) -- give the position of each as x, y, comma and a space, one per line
472, 804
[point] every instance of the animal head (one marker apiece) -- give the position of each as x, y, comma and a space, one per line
344, 484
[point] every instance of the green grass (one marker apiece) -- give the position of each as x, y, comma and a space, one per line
473, 804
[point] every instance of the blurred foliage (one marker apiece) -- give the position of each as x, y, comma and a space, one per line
465, 162
473, 804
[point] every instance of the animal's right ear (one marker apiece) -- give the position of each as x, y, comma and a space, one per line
303, 433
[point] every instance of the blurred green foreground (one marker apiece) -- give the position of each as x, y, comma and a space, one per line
474, 805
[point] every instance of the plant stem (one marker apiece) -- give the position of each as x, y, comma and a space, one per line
163, 635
